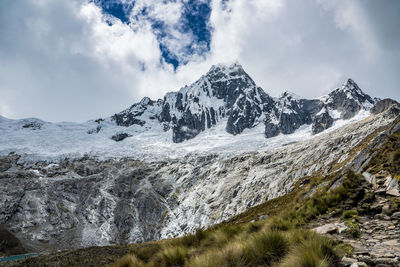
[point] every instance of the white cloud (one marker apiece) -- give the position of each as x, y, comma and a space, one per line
62, 61
350, 16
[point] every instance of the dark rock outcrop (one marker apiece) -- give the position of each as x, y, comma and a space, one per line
129, 116
321, 122
120, 136
383, 105
34, 125
271, 129
9, 244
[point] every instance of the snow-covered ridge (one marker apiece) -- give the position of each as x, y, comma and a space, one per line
223, 112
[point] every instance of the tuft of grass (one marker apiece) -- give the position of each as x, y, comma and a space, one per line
281, 223
128, 261
313, 252
145, 253
266, 247
231, 256
254, 227
351, 219
195, 239
369, 197
171, 257
350, 214
395, 204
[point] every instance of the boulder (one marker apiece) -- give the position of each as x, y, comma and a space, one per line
331, 228
120, 136
392, 186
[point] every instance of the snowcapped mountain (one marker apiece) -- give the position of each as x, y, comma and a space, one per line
224, 92
222, 112
228, 92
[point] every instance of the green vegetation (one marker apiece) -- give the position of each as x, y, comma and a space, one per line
279, 240
395, 204
387, 156
351, 219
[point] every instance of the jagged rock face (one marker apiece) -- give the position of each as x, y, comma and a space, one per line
348, 100
383, 105
271, 129
291, 112
224, 92
228, 93
321, 122
132, 115
84, 202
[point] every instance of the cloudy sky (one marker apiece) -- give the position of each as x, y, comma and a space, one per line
77, 60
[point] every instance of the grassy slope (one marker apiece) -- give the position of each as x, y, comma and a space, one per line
281, 240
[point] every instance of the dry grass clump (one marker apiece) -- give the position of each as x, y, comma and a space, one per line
230, 256
128, 261
171, 256
145, 253
316, 251
266, 247
263, 248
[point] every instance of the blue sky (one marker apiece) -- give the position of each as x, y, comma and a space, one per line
193, 21
82, 59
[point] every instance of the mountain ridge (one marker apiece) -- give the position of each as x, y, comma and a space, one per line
229, 92
224, 113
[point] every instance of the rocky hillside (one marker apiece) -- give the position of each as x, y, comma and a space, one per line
355, 202
84, 202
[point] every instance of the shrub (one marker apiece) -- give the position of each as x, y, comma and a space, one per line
369, 197
350, 214
351, 219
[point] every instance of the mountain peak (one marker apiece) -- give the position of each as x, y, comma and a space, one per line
351, 85
233, 67
288, 94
